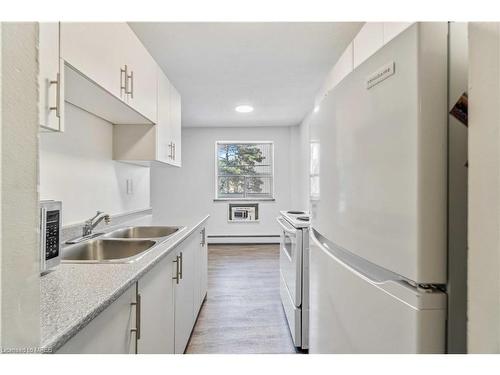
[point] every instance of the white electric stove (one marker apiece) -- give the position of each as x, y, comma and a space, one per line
294, 270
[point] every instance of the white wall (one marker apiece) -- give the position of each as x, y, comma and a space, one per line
19, 255
180, 193
76, 167
484, 189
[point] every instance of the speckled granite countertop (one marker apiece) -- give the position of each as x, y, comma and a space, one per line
74, 294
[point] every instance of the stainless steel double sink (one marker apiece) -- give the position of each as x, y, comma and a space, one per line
124, 245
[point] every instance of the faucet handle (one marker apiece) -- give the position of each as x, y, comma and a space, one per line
107, 219
95, 216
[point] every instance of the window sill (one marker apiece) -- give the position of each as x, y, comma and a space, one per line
244, 200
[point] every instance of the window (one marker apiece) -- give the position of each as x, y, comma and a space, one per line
244, 170
314, 171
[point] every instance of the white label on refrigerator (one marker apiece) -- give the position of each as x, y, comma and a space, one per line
380, 75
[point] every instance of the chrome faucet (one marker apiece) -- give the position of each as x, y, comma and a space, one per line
90, 224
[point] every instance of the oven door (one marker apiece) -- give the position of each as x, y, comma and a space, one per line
291, 260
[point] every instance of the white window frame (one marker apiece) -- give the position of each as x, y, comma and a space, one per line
312, 196
216, 171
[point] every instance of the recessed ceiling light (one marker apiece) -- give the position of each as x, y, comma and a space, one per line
244, 108
316, 109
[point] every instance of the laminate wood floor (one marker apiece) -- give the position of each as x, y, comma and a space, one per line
242, 313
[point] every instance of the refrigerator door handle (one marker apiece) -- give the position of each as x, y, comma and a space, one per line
364, 269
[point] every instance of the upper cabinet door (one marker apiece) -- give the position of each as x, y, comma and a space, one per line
50, 79
164, 151
97, 50
111, 55
142, 78
175, 124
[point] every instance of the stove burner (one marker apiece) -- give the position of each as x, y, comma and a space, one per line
296, 212
303, 218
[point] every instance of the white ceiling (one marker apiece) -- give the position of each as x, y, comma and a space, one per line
278, 68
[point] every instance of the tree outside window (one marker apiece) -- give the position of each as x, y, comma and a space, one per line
244, 170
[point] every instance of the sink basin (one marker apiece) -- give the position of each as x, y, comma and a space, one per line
106, 251
142, 232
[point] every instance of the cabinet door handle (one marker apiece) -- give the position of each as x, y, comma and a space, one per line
137, 329
134, 331
138, 316
131, 91
124, 79
176, 278
203, 241
57, 108
180, 272
170, 150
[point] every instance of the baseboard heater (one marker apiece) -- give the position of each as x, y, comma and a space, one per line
243, 238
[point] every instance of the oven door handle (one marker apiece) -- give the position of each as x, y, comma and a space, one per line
285, 227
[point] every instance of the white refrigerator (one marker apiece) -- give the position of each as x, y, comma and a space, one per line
379, 202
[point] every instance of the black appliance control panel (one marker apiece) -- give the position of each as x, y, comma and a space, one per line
52, 234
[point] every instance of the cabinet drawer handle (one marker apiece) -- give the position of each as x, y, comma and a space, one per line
57, 108
176, 278
173, 143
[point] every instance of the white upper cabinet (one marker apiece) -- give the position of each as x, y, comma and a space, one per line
163, 131
121, 74
97, 50
50, 78
144, 144
369, 39
342, 68
141, 78
175, 125
393, 29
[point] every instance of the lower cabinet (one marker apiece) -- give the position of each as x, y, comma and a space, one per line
156, 309
201, 270
157, 314
184, 293
191, 286
111, 332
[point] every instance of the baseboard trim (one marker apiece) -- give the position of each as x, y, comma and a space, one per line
243, 238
